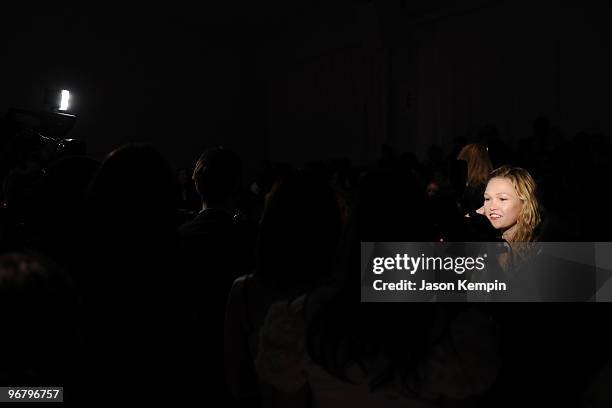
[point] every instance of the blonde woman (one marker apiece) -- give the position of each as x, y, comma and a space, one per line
479, 167
512, 208
511, 205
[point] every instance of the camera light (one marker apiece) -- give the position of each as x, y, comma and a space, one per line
64, 100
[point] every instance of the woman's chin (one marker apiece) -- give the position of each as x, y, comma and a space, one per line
496, 224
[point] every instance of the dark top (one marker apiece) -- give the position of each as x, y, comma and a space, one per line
217, 248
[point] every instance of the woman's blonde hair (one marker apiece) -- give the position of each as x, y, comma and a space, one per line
529, 218
478, 163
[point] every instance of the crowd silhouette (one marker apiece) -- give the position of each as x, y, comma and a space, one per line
215, 285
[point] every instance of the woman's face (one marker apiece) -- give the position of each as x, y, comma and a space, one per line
502, 205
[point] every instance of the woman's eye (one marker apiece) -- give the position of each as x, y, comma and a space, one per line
487, 199
503, 199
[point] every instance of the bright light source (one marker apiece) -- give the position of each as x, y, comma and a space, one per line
64, 101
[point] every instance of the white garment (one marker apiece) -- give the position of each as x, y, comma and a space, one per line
456, 368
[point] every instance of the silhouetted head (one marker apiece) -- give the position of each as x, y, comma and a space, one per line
433, 189
541, 125
218, 175
135, 179
392, 206
435, 154
299, 233
478, 163
511, 205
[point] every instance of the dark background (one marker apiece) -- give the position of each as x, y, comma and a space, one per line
296, 82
